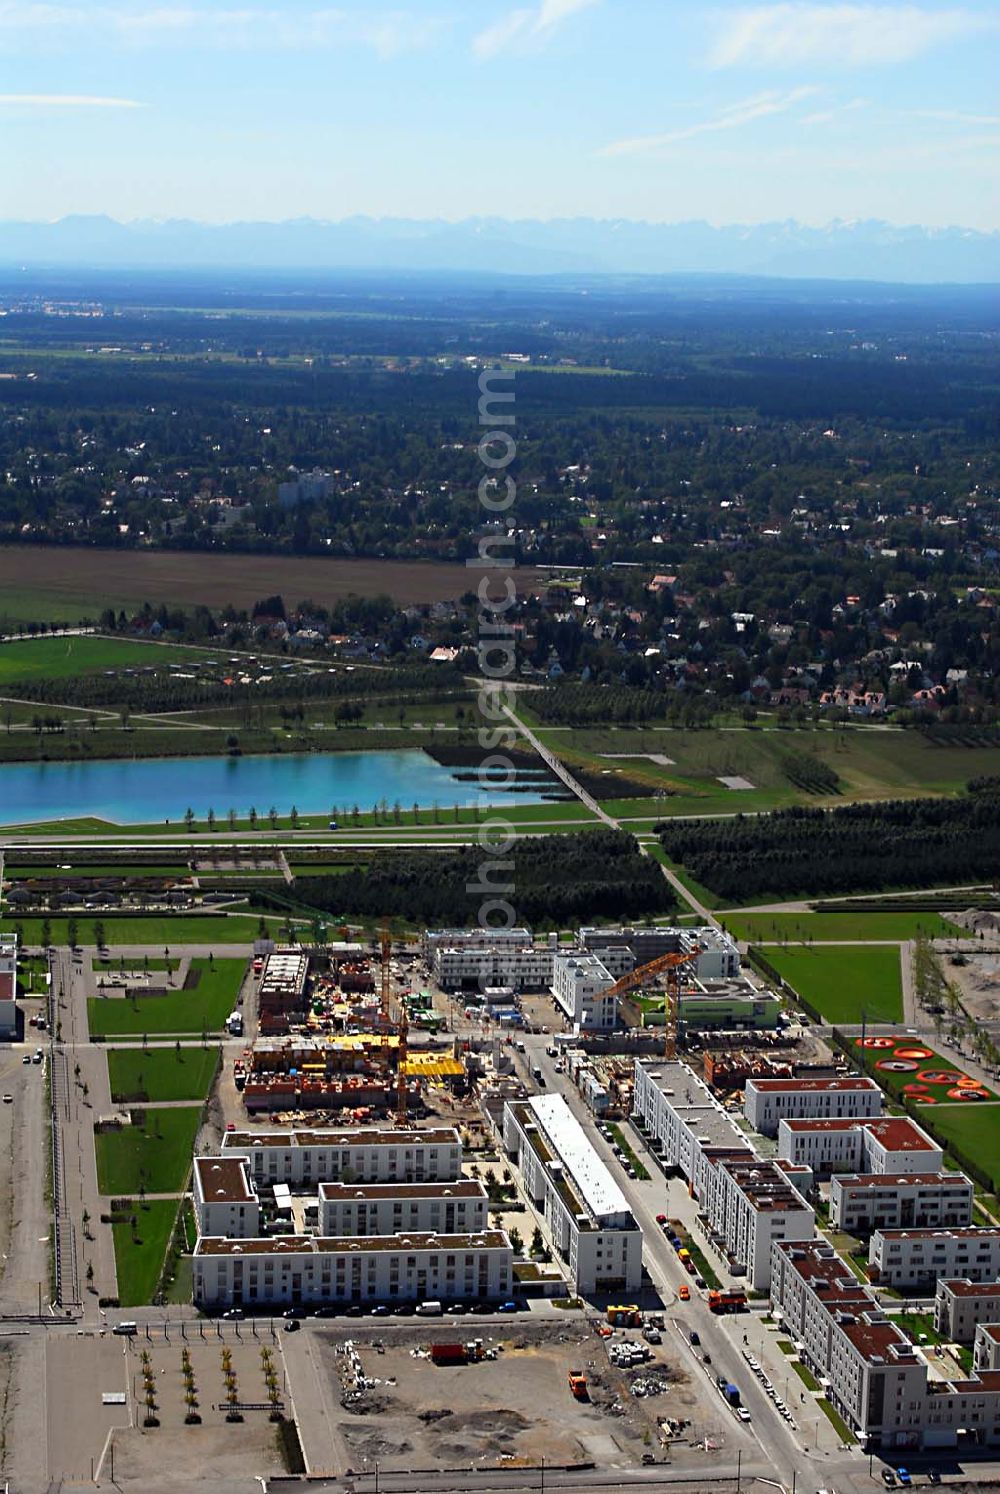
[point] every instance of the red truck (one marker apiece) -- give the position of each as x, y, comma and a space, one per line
449, 1354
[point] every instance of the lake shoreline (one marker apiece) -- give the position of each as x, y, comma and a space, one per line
152, 789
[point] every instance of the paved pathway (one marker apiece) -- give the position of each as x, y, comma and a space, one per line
560, 770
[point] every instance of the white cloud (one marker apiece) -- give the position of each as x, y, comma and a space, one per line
66, 101
799, 33
826, 116
525, 24
731, 118
955, 116
388, 33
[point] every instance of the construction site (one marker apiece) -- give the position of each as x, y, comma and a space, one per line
545, 1392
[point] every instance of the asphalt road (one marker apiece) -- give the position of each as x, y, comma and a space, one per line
767, 1435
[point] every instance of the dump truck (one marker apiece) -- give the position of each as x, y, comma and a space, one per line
733, 1300
578, 1384
449, 1354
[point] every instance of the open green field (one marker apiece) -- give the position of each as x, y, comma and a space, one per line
62, 658
139, 1256
851, 983
871, 763
204, 1008
853, 928
161, 1073
155, 1156
974, 1130
155, 932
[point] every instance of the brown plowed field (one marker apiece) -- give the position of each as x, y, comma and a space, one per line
130, 577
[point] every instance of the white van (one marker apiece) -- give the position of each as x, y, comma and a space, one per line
429, 1309
127, 1329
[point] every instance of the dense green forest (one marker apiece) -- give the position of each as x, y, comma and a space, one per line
854, 848
555, 880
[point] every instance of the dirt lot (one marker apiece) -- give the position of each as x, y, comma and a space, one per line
183, 579
979, 980
405, 1412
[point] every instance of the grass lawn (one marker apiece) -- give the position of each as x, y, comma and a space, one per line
808, 1379
836, 1421
641, 1171
849, 983
154, 933
31, 976
913, 1324
706, 898
139, 1265
161, 1073
202, 1008
769, 928
974, 1129
156, 1155
66, 658
870, 764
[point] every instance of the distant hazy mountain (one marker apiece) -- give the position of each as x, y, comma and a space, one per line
868, 250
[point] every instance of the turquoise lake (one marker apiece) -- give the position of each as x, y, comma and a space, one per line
147, 790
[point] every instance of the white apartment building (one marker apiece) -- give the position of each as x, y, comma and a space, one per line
718, 955
878, 1380
475, 966
748, 1205
225, 1199
8, 985
587, 1215
684, 1122
293, 1269
888, 1144
579, 982
905, 1258
307, 1158
923, 1200
458, 1208
960, 1306
431, 939
769, 1101
986, 1348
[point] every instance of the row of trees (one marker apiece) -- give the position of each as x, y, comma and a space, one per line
859, 847
554, 880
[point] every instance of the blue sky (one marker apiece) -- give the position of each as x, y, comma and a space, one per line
655, 109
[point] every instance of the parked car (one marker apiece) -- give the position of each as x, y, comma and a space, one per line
508, 1307
693, 1338
903, 1475
933, 1476
742, 1413
293, 1325
234, 1314
888, 1478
